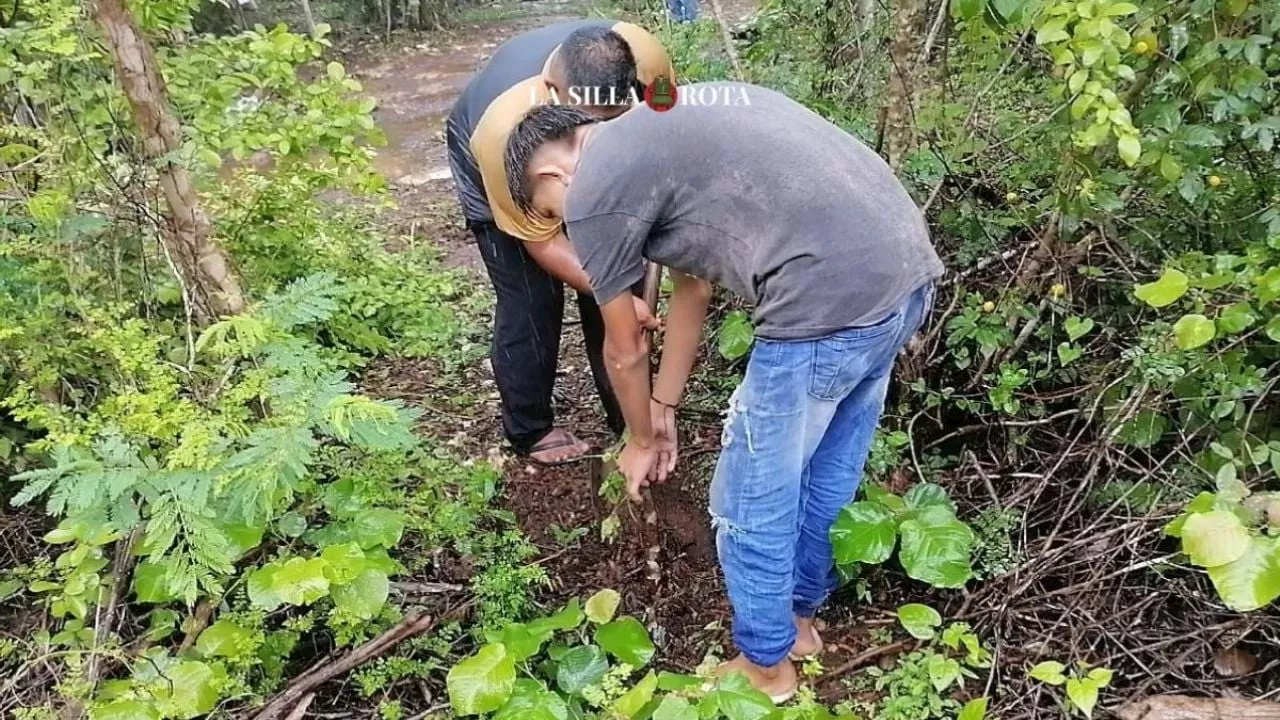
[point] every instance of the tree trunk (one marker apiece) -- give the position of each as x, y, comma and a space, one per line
424, 15
866, 14
897, 134
311, 21
210, 285
386, 9
1180, 707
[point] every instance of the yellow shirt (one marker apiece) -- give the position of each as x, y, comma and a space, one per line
489, 141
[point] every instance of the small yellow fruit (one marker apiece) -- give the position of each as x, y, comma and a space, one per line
1141, 47
1214, 181
988, 306
1012, 197
1058, 290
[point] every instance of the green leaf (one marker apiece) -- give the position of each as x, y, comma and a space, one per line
1193, 330
921, 621
531, 701
378, 527
627, 640
1214, 538
579, 668
126, 710
1130, 149
188, 689
1237, 318
966, 9
928, 495
864, 532
975, 709
1101, 677
1144, 430
483, 682
943, 671
1172, 285
294, 582
1252, 580
876, 494
1273, 328
675, 682
674, 707
736, 335
520, 640
150, 583
1170, 169
1083, 695
1068, 353
1050, 672
335, 71
936, 548
602, 606
568, 618
1077, 327
224, 639
364, 596
345, 561
635, 699
1121, 8
738, 700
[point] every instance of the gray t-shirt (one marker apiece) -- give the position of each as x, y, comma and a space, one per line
758, 194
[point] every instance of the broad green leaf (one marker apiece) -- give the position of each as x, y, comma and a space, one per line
242, 538
928, 495
975, 709
1237, 318
1144, 430
345, 562
1193, 330
936, 548
483, 682
1170, 169
294, 582
150, 582
1130, 149
377, 526
876, 494
531, 701
1121, 8
943, 671
335, 71
126, 710
1253, 580
567, 619
1100, 677
1010, 10
1273, 328
966, 9
864, 532
738, 700
224, 639
1077, 327
602, 606
736, 335
188, 689
674, 707
1083, 695
675, 682
520, 640
364, 596
1050, 671
1068, 353
579, 668
627, 640
635, 699
1214, 538
921, 621
1172, 285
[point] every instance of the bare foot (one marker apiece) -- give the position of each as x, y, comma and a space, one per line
779, 682
808, 641
558, 447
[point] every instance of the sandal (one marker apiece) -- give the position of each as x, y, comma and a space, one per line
566, 439
821, 646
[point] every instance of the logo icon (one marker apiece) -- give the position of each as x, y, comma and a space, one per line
660, 94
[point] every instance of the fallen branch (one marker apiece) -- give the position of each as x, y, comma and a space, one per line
425, 588
863, 659
304, 685
1181, 707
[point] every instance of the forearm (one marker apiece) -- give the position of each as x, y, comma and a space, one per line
557, 257
683, 337
627, 360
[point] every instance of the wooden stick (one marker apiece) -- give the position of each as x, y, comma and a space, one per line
303, 685
1181, 707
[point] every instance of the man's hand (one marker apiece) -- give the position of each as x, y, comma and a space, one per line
636, 465
665, 439
646, 317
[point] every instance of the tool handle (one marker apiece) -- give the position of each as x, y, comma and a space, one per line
652, 282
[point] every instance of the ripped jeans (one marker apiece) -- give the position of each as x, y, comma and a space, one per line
797, 434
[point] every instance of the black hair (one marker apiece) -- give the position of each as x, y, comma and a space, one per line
543, 124
599, 58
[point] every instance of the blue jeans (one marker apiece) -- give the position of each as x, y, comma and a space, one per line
683, 10
796, 436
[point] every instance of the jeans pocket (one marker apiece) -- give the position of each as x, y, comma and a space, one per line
840, 360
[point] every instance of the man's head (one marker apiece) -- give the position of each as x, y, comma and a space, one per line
595, 69
542, 155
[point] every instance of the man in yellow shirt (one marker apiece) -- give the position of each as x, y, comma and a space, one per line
601, 66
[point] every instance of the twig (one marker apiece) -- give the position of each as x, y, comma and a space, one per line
425, 588
865, 658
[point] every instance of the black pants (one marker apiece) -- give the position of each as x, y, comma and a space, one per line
526, 338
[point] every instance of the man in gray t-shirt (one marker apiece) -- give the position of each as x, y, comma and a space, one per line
740, 186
